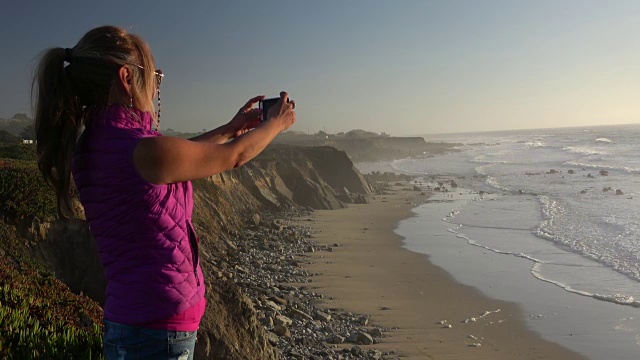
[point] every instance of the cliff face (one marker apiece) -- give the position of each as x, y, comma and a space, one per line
280, 178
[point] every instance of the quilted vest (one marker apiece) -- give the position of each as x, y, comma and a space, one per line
147, 244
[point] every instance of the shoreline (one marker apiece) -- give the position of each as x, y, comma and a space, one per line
401, 291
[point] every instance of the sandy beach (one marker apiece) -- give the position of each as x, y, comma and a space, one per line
371, 273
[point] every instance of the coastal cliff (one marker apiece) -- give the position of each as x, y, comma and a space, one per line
371, 148
282, 178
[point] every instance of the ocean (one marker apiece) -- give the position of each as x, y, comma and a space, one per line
547, 218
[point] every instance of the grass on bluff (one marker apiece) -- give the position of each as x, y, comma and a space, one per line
40, 318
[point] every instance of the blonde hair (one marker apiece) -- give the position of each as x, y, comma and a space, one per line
63, 96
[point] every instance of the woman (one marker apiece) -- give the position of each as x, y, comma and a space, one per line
94, 115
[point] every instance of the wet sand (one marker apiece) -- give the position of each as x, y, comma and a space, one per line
371, 273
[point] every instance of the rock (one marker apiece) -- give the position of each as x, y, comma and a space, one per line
322, 316
270, 304
359, 199
277, 226
571, 172
300, 315
357, 351
590, 176
363, 338
619, 192
353, 338
604, 173
272, 338
416, 188
374, 354
363, 320
583, 192
268, 322
296, 354
256, 219
282, 320
335, 339
605, 189
279, 301
552, 171
281, 330
376, 332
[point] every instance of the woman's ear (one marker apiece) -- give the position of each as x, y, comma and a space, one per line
125, 76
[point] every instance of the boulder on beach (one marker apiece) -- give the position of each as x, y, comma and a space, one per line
571, 172
619, 192
360, 338
604, 173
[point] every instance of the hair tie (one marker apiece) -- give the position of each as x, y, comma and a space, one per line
68, 54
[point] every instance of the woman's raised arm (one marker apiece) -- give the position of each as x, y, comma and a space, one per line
166, 159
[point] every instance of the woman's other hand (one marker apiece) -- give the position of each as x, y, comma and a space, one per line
247, 117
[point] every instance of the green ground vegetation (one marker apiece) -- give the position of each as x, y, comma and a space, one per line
40, 318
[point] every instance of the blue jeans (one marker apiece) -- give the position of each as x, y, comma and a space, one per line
126, 342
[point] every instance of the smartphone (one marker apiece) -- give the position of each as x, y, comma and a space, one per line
265, 105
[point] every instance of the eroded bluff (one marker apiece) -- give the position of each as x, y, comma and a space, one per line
282, 177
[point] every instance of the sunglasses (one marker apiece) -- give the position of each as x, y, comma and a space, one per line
159, 75
158, 72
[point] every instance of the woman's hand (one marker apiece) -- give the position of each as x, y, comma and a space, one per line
282, 112
247, 117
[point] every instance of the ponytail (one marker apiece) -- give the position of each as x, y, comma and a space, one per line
58, 118
63, 95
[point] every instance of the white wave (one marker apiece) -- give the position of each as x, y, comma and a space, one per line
397, 166
619, 299
535, 143
583, 150
491, 181
481, 169
604, 140
482, 160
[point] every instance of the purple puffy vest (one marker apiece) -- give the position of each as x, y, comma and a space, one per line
145, 238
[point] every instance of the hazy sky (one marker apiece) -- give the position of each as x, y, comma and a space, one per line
398, 66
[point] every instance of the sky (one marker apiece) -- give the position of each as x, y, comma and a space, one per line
398, 66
